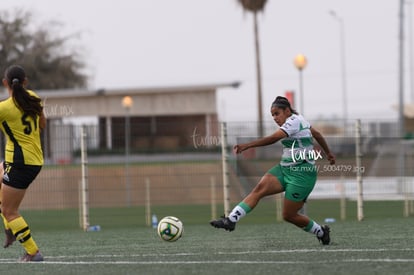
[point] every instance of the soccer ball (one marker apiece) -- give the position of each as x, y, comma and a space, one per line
170, 229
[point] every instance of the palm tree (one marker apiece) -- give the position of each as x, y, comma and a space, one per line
256, 6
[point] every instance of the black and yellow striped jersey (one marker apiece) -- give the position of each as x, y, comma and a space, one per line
23, 145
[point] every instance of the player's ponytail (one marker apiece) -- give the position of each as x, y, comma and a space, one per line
283, 102
30, 105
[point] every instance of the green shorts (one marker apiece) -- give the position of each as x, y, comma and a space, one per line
297, 180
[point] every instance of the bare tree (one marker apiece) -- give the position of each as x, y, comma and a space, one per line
256, 6
46, 57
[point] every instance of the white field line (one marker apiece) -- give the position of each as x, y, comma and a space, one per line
238, 262
71, 259
234, 253
315, 250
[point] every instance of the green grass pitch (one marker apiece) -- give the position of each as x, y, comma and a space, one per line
381, 244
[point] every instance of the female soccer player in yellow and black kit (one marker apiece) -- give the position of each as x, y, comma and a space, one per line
21, 120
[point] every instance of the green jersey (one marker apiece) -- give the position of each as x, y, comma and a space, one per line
298, 145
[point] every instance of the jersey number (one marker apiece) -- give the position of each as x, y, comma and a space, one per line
26, 119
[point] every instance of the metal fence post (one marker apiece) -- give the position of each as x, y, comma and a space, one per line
225, 165
360, 202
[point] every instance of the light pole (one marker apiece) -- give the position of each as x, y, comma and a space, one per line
260, 129
343, 65
300, 62
127, 103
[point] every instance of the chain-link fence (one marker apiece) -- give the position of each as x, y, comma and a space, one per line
180, 163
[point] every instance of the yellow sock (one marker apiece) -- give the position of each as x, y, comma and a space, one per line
21, 230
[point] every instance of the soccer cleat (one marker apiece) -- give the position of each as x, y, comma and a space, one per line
10, 238
224, 222
325, 239
32, 258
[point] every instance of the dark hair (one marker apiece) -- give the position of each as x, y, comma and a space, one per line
283, 103
30, 105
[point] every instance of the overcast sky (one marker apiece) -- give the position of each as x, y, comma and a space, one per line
137, 43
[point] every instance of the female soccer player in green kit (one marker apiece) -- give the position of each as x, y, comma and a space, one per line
295, 174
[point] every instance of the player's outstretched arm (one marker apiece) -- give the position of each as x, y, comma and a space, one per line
276, 136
